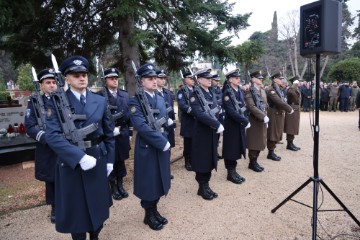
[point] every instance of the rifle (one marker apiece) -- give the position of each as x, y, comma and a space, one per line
277, 90
203, 102
155, 124
234, 101
109, 108
65, 113
258, 103
38, 102
185, 89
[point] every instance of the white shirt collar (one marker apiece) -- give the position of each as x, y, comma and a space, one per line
77, 95
151, 94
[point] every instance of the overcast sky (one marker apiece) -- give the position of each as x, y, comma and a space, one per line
263, 12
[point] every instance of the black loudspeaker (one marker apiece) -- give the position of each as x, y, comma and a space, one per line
320, 28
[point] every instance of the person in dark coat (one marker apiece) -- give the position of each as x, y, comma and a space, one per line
306, 92
123, 128
256, 133
344, 97
187, 116
204, 156
215, 89
235, 123
151, 155
292, 121
45, 157
277, 107
167, 95
324, 97
82, 194
357, 101
169, 102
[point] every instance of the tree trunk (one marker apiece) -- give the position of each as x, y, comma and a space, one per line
129, 51
304, 70
295, 58
324, 66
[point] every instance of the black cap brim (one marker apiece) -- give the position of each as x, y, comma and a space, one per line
76, 69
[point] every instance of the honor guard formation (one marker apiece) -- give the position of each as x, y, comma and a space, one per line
83, 138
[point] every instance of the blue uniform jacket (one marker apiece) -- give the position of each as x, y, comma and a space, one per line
151, 163
82, 197
204, 141
169, 102
122, 141
234, 141
45, 157
187, 116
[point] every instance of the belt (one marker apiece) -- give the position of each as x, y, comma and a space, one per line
92, 142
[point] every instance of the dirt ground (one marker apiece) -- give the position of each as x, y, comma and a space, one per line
240, 212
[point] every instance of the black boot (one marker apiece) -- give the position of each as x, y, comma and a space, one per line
234, 177
52, 214
115, 191
253, 165
94, 236
205, 192
271, 155
151, 220
121, 189
290, 146
188, 164
160, 218
296, 146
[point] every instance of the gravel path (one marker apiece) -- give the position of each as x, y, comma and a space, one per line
241, 211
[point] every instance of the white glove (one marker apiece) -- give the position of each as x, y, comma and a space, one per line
109, 168
170, 122
248, 125
220, 129
266, 119
292, 111
130, 137
116, 131
87, 162
167, 146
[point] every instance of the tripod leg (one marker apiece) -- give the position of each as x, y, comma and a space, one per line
291, 195
341, 204
315, 206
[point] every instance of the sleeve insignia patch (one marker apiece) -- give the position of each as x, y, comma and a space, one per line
28, 111
180, 96
133, 109
272, 92
192, 99
226, 98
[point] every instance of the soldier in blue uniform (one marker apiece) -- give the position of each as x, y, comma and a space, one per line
169, 102
187, 116
45, 157
235, 123
82, 191
151, 155
204, 156
119, 98
216, 89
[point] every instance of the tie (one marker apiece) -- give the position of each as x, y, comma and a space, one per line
114, 94
82, 100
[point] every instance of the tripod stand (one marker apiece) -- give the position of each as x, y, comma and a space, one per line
316, 179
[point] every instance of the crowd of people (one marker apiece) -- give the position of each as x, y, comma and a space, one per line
82, 180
